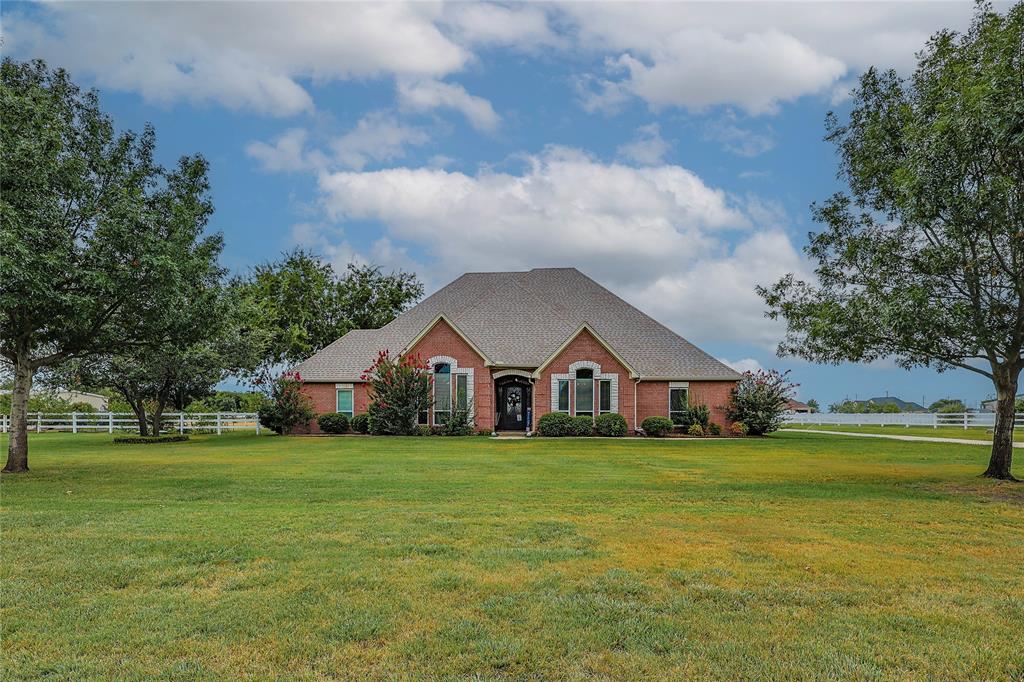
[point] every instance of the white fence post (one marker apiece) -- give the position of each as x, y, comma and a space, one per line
110, 422
935, 420
965, 421
74, 422
181, 422
218, 423
39, 422
257, 423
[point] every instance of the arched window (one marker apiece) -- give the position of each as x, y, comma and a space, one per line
442, 392
585, 392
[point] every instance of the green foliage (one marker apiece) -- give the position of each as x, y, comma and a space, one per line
610, 424
40, 402
714, 429
287, 406
814, 405
738, 429
759, 400
581, 425
460, 423
228, 401
399, 391
100, 246
361, 423
947, 406
554, 425
150, 440
304, 305
923, 260
695, 430
656, 426
333, 422
1019, 405
693, 414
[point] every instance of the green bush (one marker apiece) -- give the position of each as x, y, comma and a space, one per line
738, 429
400, 389
714, 429
582, 426
460, 423
424, 430
759, 400
333, 422
694, 414
147, 440
695, 430
610, 425
656, 427
360, 423
554, 424
288, 406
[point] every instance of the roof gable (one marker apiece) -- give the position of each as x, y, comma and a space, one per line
597, 337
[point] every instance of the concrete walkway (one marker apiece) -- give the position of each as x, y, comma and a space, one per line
927, 439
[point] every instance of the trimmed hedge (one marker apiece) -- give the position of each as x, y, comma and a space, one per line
582, 425
333, 422
610, 424
147, 440
554, 424
360, 423
656, 427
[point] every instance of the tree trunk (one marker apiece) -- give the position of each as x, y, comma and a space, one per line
158, 414
140, 414
1002, 437
17, 448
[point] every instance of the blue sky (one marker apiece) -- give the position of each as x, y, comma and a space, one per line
670, 151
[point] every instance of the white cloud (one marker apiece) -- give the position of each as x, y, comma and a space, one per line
523, 27
744, 365
754, 55
241, 55
425, 95
658, 235
738, 140
377, 137
648, 148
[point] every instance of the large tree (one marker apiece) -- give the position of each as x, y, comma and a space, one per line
923, 259
206, 342
97, 240
306, 305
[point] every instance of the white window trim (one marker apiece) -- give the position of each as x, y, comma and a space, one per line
611, 377
453, 365
345, 387
685, 385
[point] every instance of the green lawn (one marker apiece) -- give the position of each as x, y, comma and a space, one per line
970, 433
790, 557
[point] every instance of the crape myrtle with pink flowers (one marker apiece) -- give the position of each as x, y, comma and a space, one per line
400, 390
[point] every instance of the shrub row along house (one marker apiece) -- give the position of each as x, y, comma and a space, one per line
512, 346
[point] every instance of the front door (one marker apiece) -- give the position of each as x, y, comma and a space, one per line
513, 400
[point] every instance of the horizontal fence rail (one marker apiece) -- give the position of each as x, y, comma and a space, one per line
964, 420
180, 422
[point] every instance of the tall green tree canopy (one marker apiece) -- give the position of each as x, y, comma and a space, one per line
306, 305
923, 259
97, 241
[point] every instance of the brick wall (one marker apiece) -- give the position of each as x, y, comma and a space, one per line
325, 399
443, 340
583, 347
653, 398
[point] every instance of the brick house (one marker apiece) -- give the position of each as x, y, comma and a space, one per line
512, 346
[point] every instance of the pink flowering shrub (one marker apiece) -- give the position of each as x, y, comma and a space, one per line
287, 406
759, 400
400, 390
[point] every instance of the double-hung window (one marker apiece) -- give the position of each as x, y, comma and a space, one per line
563, 395
442, 393
678, 398
585, 392
462, 392
604, 396
344, 401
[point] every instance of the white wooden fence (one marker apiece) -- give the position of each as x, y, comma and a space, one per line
964, 420
181, 422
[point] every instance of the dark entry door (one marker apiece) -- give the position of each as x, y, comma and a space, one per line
514, 399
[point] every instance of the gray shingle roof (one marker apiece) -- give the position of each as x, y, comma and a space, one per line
519, 319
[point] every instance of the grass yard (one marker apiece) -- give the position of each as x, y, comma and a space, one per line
308, 558
970, 433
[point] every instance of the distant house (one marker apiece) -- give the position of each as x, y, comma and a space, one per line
990, 405
97, 401
797, 407
903, 405
512, 346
